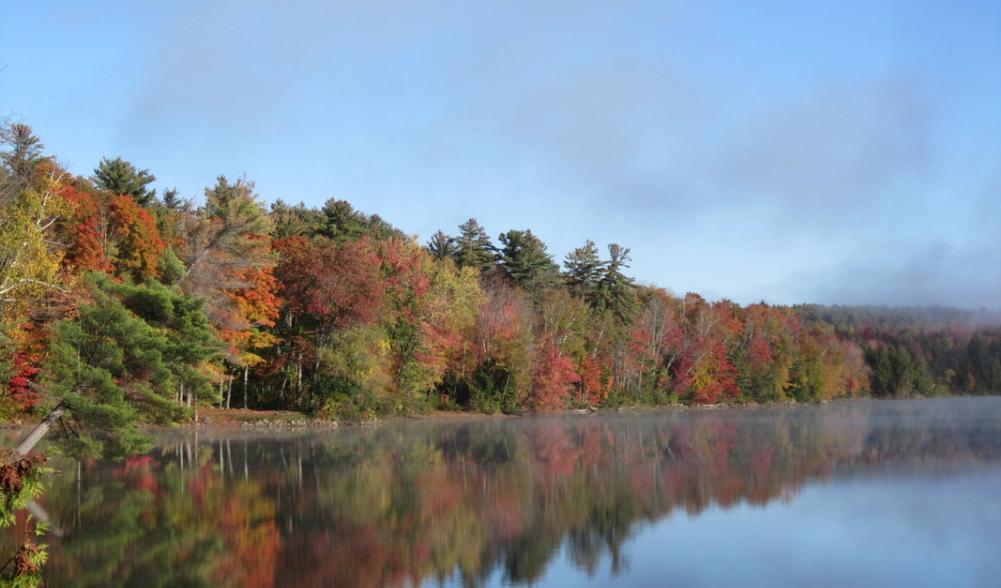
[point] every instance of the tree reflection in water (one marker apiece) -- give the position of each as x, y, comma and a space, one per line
462, 501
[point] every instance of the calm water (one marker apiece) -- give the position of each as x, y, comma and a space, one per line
861, 493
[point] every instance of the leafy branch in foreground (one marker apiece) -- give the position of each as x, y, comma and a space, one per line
20, 484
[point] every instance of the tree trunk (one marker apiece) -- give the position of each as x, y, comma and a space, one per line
245, 371
298, 390
39, 431
25, 448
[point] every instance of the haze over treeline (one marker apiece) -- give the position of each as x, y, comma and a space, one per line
121, 304
777, 151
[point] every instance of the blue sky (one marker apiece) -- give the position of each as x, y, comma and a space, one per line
836, 152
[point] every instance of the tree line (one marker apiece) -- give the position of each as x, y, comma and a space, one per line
122, 305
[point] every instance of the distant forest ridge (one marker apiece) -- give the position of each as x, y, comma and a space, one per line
123, 305
928, 316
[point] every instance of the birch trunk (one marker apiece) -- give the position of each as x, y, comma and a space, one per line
25, 448
39, 431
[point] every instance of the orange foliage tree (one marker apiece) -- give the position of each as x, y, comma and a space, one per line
110, 233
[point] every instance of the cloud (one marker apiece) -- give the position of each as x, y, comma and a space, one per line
630, 123
838, 149
646, 137
850, 163
933, 273
925, 268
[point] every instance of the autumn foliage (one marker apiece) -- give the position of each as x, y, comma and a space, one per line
335, 311
335, 284
553, 378
111, 233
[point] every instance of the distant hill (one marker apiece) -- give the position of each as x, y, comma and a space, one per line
850, 318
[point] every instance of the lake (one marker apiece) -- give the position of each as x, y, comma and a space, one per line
853, 493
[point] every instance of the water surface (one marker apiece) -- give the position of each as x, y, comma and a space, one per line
855, 493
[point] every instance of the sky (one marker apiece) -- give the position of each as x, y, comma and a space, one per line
838, 152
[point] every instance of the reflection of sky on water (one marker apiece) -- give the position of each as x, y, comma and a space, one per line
914, 531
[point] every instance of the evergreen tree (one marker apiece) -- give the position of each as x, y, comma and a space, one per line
125, 359
23, 155
984, 359
295, 221
172, 269
616, 291
896, 372
524, 259
121, 177
172, 200
237, 205
442, 246
584, 271
343, 222
473, 247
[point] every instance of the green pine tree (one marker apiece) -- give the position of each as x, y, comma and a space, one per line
442, 246
524, 259
121, 177
616, 291
584, 270
473, 247
123, 360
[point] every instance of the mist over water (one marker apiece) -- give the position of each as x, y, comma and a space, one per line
889, 493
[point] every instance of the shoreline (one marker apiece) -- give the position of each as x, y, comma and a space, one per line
238, 419
252, 419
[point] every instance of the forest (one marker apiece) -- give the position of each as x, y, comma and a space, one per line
125, 306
